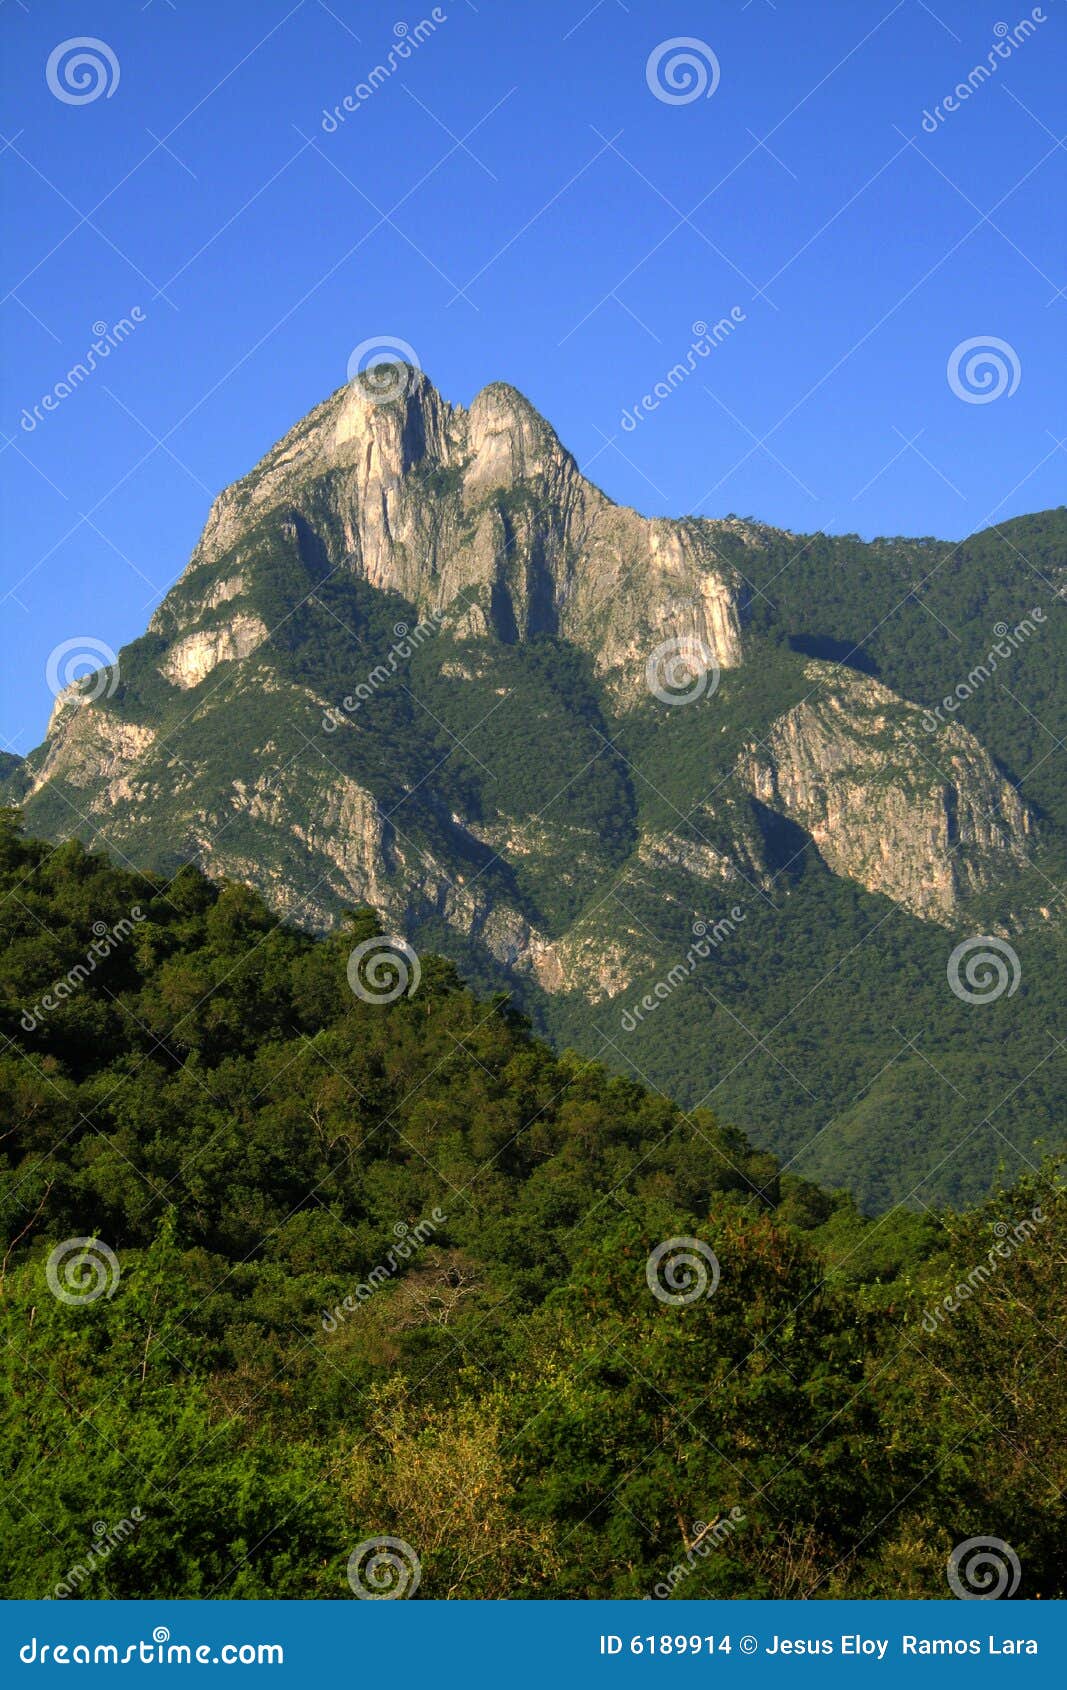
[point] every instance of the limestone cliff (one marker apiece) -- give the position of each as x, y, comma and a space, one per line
497, 775
925, 824
441, 504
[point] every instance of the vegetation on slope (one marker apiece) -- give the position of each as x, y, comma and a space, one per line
505, 770
253, 1142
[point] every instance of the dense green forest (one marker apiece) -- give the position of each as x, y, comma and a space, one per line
503, 768
351, 1268
920, 614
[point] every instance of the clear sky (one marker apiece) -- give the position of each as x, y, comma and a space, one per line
516, 200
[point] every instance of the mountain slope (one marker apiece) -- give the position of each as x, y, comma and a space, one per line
287, 1266
418, 661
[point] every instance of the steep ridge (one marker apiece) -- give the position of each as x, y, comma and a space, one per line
480, 520
438, 504
418, 661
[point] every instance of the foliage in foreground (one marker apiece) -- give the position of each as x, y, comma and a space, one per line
254, 1143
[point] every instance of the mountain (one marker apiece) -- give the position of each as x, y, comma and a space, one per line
715, 801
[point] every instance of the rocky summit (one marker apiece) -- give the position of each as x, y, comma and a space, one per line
661, 779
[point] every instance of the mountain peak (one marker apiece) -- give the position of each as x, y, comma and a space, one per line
418, 661
509, 441
504, 394
388, 481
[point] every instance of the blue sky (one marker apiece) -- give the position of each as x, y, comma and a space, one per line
516, 201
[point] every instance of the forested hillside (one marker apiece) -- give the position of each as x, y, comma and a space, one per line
295, 1259
419, 662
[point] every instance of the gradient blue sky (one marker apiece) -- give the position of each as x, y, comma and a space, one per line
517, 204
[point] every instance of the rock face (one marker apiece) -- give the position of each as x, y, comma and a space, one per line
850, 766
91, 749
476, 780
191, 659
437, 503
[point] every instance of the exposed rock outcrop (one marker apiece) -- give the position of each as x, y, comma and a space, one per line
481, 521
482, 506
191, 660
923, 823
